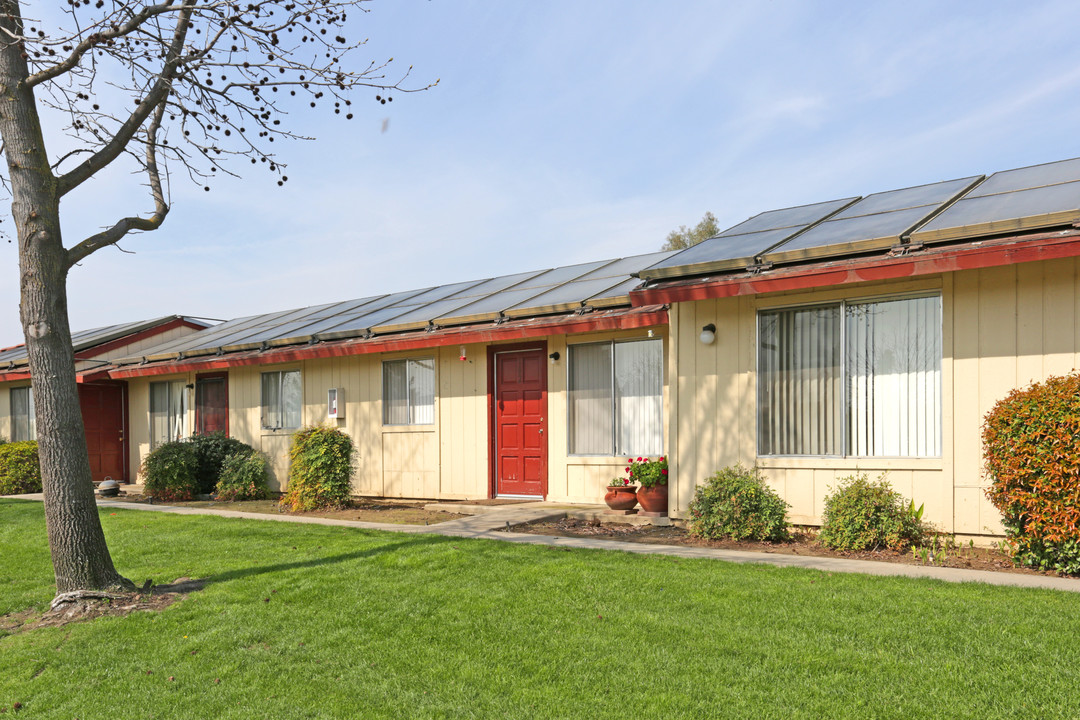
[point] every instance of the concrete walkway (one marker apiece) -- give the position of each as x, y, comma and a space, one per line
491, 522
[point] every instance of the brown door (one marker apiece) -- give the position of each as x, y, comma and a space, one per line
520, 423
103, 410
211, 404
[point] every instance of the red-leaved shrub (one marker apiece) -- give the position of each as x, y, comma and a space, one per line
1031, 441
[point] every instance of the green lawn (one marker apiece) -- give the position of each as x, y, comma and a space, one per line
368, 624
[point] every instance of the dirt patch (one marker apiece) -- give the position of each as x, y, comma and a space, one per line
489, 501
158, 597
380, 511
804, 542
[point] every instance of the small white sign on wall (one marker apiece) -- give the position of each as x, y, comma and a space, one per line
335, 403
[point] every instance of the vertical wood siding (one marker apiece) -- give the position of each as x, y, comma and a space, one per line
1003, 328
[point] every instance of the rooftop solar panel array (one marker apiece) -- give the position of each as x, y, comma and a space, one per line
1027, 198
877, 221
739, 246
563, 289
86, 339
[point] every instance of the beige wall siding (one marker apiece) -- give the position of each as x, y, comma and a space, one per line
5, 407
1002, 328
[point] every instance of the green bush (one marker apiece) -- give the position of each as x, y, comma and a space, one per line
736, 503
19, 469
243, 477
320, 470
1033, 459
861, 514
171, 471
211, 451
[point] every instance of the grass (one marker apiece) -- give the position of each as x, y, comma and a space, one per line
362, 624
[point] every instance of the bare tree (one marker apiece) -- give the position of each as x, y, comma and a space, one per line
188, 84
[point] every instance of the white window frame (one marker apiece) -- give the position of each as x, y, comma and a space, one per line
417, 411
30, 420
844, 407
614, 449
172, 414
281, 410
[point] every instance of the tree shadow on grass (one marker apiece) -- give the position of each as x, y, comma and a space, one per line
251, 571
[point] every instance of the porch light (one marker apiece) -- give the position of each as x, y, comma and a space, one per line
554, 357
708, 334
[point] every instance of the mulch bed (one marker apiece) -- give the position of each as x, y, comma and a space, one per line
804, 542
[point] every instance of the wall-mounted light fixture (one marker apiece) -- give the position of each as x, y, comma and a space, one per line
554, 357
708, 334
651, 334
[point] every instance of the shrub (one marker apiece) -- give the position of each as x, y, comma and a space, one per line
320, 469
1033, 460
243, 477
19, 469
861, 514
735, 502
171, 471
211, 451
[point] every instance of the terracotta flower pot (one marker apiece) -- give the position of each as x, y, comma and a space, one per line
621, 497
653, 499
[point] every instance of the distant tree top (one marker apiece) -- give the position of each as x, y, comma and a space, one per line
685, 237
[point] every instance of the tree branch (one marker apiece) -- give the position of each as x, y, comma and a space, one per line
156, 97
130, 224
95, 39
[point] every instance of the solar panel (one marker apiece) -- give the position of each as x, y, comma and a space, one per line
1028, 198
564, 298
737, 247
617, 295
876, 222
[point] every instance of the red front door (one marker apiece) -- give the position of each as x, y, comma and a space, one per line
520, 423
211, 404
103, 414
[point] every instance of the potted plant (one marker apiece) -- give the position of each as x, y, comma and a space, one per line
621, 495
652, 476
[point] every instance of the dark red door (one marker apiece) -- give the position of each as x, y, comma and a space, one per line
211, 404
520, 424
103, 407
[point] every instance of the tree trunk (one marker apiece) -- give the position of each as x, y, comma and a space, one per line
81, 559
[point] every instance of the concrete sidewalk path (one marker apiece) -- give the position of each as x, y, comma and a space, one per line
493, 522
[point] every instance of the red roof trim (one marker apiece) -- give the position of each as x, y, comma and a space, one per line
932, 261
622, 319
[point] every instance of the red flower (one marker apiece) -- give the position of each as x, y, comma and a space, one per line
627, 469
663, 472
639, 459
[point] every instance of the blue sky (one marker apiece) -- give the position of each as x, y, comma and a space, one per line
562, 132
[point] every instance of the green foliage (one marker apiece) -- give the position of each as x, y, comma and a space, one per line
685, 237
243, 477
19, 469
646, 472
1033, 458
320, 470
736, 503
171, 471
861, 514
211, 451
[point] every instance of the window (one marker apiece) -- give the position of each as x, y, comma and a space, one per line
852, 379
282, 397
616, 398
168, 411
409, 392
23, 424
